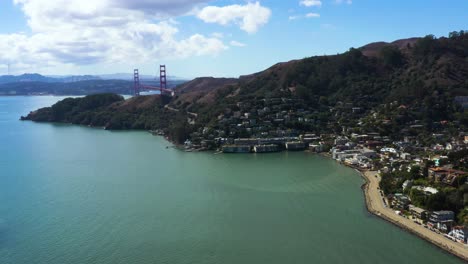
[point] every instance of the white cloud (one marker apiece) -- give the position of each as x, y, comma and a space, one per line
249, 17
237, 44
312, 15
86, 32
159, 8
310, 3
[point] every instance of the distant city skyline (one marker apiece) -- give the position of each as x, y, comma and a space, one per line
224, 38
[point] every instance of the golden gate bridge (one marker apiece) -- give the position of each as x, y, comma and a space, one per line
138, 87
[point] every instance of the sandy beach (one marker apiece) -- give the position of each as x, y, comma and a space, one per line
375, 205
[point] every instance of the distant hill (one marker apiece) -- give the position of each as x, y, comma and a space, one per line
69, 88
36, 84
34, 77
75, 78
27, 77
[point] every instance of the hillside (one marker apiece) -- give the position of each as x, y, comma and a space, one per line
373, 49
200, 91
424, 75
382, 87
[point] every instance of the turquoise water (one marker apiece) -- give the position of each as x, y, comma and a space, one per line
71, 194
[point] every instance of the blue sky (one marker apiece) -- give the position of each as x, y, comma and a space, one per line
204, 38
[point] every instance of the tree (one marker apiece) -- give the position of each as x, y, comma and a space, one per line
454, 34
436, 202
426, 46
415, 172
418, 197
391, 56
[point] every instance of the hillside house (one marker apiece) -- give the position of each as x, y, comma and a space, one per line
445, 175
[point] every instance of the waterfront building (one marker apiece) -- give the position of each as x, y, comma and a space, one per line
459, 234
295, 145
400, 201
369, 153
246, 141
316, 148
236, 149
417, 212
266, 148
351, 161
442, 220
440, 216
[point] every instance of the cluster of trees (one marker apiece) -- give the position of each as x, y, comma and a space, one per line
70, 109
459, 159
392, 182
113, 112
448, 198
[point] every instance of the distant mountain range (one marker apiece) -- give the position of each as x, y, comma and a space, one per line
37, 84
35, 77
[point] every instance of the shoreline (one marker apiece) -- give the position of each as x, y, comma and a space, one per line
374, 205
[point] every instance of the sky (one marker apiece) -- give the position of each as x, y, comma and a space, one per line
194, 38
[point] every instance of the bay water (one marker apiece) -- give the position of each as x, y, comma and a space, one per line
72, 194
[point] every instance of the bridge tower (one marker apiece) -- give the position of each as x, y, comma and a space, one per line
136, 83
162, 78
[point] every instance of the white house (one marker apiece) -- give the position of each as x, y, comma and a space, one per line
459, 234
448, 146
389, 150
